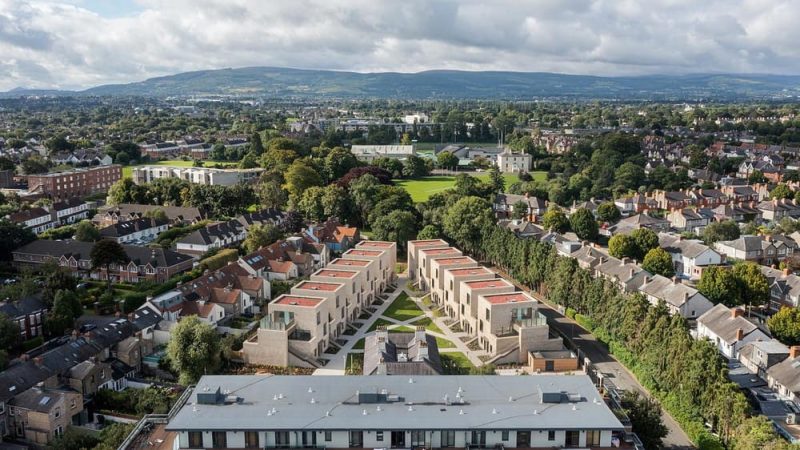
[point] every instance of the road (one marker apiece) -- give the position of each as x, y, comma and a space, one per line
599, 355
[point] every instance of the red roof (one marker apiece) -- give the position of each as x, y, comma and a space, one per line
336, 273
317, 286
440, 251
296, 300
485, 284
470, 271
428, 243
358, 252
514, 297
459, 260
379, 244
349, 262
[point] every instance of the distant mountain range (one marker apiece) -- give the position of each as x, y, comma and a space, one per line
443, 84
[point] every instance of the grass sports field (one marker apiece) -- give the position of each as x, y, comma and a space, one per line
423, 188
128, 170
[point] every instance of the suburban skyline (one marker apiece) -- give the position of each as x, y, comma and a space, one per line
74, 44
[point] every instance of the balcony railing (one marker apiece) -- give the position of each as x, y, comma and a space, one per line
268, 323
300, 335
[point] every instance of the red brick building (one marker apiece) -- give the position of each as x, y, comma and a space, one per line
75, 183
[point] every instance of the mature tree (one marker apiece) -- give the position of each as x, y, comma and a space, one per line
364, 193
249, 161
658, 262
467, 185
336, 202
87, 232
300, 177
310, 204
391, 198
646, 239
781, 191
14, 236
608, 212
33, 165
261, 236
555, 220
106, 253
756, 177
125, 191
157, 214
9, 336
7, 164
622, 246
391, 165
496, 181
447, 160
193, 349
719, 285
415, 167
58, 144
628, 176
721, 231
785, 325
429, 232
61, 317
753, 285
397, 226
584, 225
292, 222
114, 434
270, 194
465, 221
519, 209
645, 415
256, 146
338, 162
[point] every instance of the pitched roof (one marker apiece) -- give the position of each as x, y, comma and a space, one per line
673, 293
787, 373
156, 257
213, 233
122, 229
183, 213
22, 307
721, 322
28, 214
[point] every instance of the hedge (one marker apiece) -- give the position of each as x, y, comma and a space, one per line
222, 258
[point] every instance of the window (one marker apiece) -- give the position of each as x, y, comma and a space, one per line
504, 436
593, 438
379, 436
251, 439
281, 438
58, 413
572, 438
551, 435
417, 438
468, 299
448, 438
328, 436
219, 439
487, 314
195, 439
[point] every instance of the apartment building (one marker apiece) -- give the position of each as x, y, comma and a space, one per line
427, 255
413, 256
196, 175
299, 326
384, 411
75, 183
453, 279
468, 296
388, 256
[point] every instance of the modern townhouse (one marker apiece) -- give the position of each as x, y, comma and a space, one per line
728, 330
679, 298
138, 231
351, 279
196, 175
690, 257
383, 411
452, 286
337, 296
368, 277
413, 257
426, 258
438, 268
383, 257
388, 256
144, 264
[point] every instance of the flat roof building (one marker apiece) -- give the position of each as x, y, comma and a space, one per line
251, 411
413, 253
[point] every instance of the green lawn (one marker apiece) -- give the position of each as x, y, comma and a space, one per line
359, 345
444, 343
354, 364
456, 363
128, 170
421, 189
391, 326
403, 308
428, 324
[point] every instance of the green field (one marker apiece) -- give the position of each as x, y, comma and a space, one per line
421, 189
403, 308
128, 170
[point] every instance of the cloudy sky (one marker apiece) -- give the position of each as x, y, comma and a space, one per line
82, 43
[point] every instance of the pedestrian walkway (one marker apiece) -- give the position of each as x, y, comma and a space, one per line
338, 361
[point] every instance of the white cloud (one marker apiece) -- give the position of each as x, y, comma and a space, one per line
65, 44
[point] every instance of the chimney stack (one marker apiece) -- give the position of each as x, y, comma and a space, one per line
737, 312
419, 333
422, 351
794, 351
739, 334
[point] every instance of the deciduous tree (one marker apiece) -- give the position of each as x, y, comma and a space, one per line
658, 262
193, 349
584, 225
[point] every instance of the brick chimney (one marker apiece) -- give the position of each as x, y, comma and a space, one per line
675, 280
737, 312
794, 351
786, 272
419, 333
739, 334
38, 361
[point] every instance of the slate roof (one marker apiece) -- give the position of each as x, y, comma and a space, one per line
23, 307
401, 342
663, 288
721, 322
214, 232
182, 213
157, 257
787, 374
39, 400
690, 248
122, 229
28, 214
269, 215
